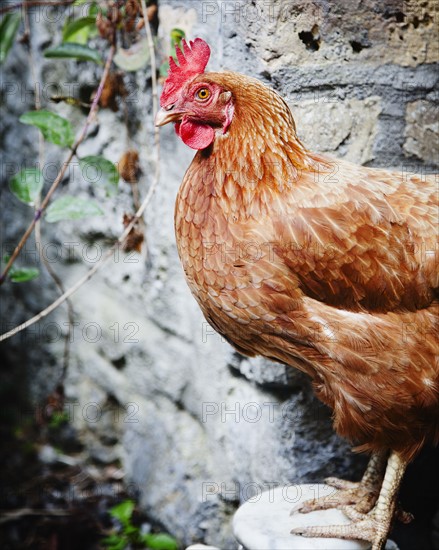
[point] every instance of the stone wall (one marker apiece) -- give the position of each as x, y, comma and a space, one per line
196, 427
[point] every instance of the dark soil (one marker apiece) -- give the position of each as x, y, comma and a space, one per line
51, 496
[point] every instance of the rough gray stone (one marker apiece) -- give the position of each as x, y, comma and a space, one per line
346, 128
326, 32
422, 131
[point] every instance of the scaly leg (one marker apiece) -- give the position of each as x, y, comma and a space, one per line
374, 526
362, 494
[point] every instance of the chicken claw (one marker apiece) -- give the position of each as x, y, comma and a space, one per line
363, 527
373, 526
363, 494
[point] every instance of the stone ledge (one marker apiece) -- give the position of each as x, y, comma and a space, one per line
266, 522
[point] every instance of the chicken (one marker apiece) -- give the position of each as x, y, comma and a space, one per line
315, 262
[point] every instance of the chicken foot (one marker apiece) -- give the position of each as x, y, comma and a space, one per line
362, 494
373, 527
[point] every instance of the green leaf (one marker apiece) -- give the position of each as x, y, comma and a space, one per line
177, 36
131, 531
71, 208
8, 29
115, 542
160, 542
164, 69
54, 128
27, 184
97, 169
134, 58
23, 274
74, 51
93, 11
78, 30
58, 418
123, 511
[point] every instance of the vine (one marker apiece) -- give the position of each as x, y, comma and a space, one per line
117, 27
113, 21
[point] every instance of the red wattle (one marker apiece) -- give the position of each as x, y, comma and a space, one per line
196, 136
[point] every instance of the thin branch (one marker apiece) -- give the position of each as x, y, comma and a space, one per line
86, 277
19, 5
14, 515
136, 217
38, 239
70, 313
153, 67
155, 99
59, 177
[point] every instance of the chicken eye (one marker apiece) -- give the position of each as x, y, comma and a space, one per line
203, 93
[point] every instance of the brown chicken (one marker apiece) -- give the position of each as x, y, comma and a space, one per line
318, 263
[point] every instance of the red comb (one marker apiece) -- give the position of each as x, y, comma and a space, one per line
192, 60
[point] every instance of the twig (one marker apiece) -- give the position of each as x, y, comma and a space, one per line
154, 88
86, 277
59, 177
155, 99
136, 217
38, 239
153, 70
19, 5
14, 515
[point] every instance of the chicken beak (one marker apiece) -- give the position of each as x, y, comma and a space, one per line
164, 117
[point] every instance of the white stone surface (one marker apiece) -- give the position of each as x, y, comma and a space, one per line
265, 521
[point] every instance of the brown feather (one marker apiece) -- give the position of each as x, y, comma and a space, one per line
324, 265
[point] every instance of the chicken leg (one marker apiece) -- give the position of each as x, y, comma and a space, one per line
363, 494
373, 527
